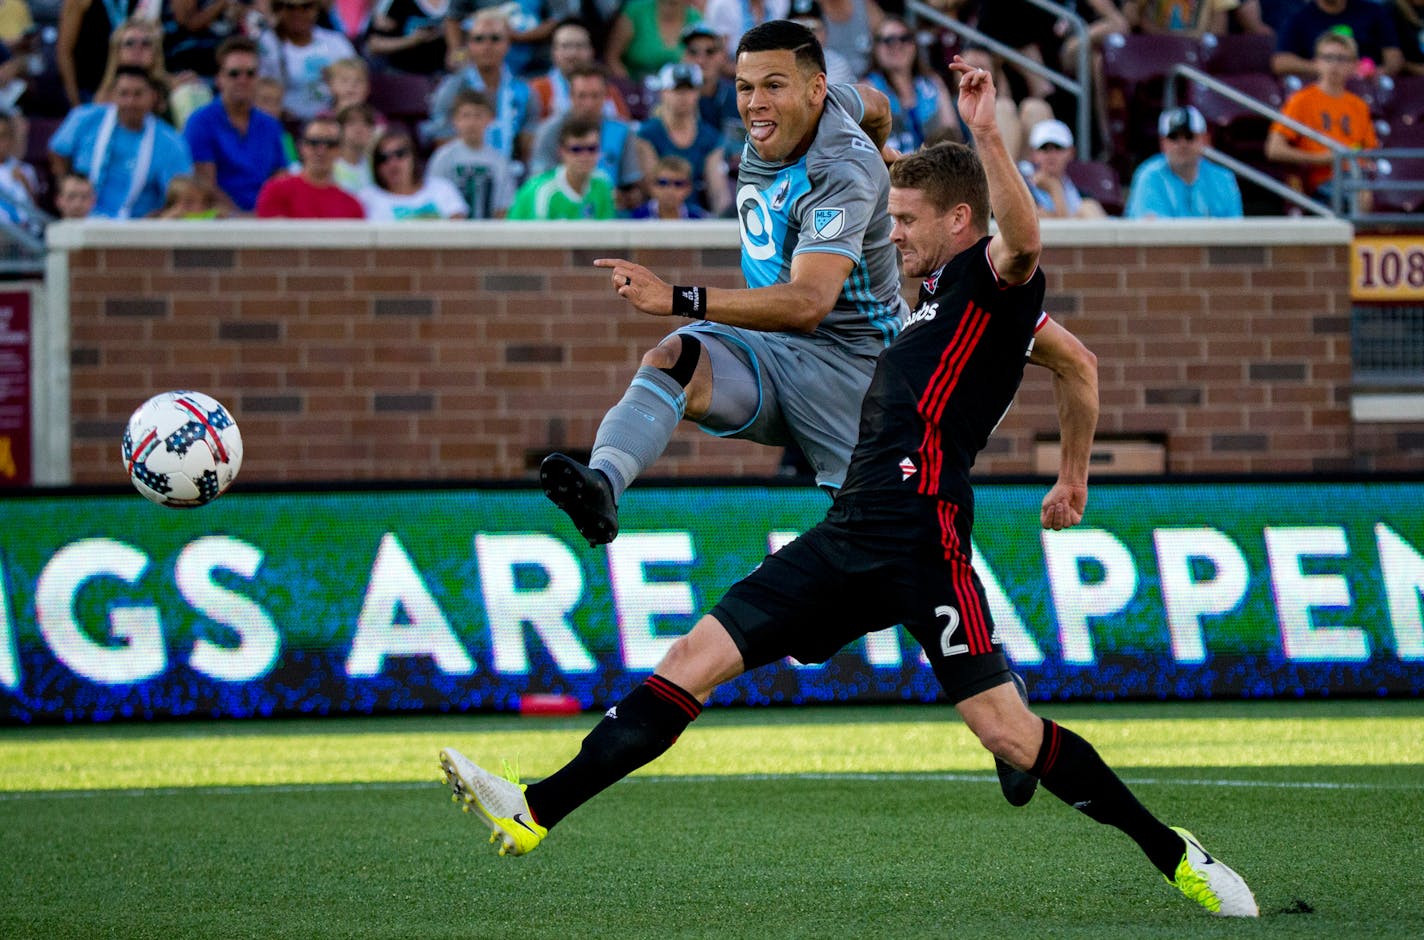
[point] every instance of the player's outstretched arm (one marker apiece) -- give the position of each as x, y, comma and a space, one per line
1015, 249
1075, 389
796, 306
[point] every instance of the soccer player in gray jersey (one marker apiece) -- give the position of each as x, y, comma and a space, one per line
788, 359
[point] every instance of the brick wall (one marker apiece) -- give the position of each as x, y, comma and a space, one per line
431, 352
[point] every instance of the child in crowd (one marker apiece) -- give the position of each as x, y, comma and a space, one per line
481, 174
348, 82
671, 183
268, 100
358, 131
189, 199
76, 197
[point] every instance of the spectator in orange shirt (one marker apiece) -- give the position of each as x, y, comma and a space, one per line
1327, 107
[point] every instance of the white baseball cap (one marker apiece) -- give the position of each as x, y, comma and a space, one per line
1050, 132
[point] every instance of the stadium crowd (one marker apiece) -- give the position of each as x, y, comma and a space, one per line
599, 109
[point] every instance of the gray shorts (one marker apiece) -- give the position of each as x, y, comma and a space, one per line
806, 390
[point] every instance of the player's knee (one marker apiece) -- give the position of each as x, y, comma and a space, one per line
677, 356
702, 659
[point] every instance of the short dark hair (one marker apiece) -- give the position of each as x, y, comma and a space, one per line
234, 44
948, 174
134, 71
360, 110
784, 34
587, 70
471, 96
577, 127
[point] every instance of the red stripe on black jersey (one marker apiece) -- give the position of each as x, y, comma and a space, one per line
941, 385
976, 628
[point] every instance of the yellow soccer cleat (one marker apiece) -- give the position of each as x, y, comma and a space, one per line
501, 802
1210, 882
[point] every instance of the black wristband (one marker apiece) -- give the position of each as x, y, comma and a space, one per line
690, 302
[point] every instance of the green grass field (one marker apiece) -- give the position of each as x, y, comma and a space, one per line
805, 822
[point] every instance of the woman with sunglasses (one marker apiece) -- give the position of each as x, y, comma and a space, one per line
920, 104
139, 43
398, 192
676, 128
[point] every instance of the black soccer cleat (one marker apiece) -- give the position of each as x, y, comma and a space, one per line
1019, 786
584, 494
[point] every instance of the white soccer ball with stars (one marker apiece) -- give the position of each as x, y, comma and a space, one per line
182, 449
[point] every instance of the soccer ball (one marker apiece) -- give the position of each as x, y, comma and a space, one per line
182, 449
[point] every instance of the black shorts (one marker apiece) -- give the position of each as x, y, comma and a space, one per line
842, 580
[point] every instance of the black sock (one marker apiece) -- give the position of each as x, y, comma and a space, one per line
1071, 770
632, 733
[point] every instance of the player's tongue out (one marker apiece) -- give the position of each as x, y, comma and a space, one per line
762, 130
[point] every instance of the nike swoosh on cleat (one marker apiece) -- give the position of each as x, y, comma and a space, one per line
518, 819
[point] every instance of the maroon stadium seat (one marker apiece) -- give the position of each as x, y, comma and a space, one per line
1410, 136
1098, 179
401, 96
1135, 67
1237, 54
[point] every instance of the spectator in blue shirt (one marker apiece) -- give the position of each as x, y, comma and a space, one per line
236, 148
1178, 183
127, 153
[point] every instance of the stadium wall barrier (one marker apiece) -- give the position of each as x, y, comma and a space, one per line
443, 351
448, 600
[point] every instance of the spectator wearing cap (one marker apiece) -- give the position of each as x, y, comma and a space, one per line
919, 101
677, 129
618, 156
1046, 172
808, 13
731, 18
1367, 22
703, 47
1179, 183
571, 47
647, 35
1328, 107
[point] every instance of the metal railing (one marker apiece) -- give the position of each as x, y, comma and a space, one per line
1345, 161
1080, 88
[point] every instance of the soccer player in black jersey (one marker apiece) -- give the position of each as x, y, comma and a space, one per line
895, 545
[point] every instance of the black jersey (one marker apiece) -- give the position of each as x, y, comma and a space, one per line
944, 383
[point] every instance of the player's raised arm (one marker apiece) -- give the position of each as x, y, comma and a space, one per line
1015, 249
1075, 389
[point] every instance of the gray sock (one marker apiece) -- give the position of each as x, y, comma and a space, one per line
636, 431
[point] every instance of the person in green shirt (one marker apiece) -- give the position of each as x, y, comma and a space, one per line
576, 188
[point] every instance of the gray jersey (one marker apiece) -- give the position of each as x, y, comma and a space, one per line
834, 198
